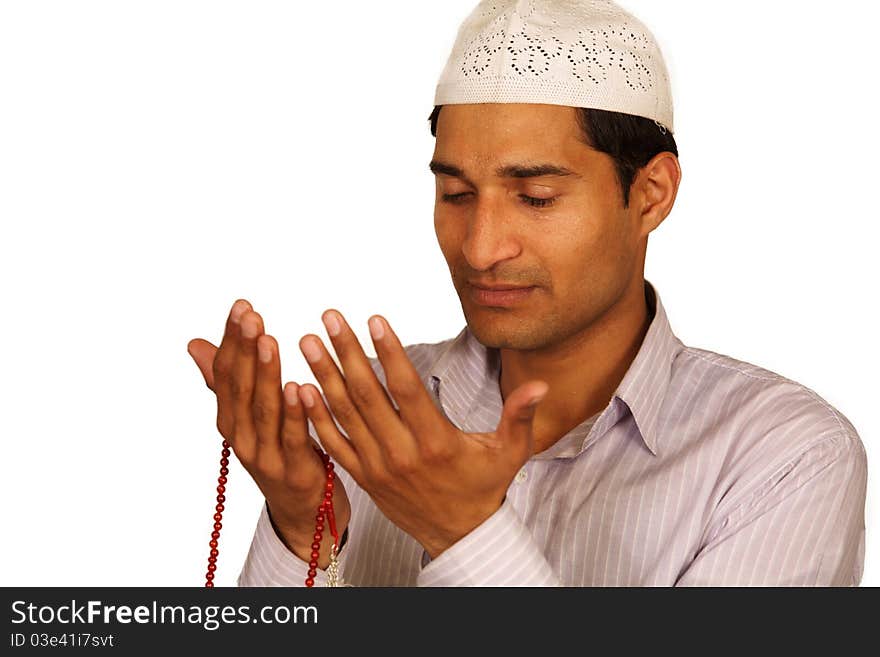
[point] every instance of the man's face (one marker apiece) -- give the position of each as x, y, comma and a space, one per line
580, 252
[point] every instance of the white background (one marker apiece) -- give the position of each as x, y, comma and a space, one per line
160, 159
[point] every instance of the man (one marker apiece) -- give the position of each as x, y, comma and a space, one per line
565, 436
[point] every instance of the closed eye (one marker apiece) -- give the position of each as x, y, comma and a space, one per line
531, 200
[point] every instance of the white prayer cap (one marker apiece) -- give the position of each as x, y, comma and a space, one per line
580, 53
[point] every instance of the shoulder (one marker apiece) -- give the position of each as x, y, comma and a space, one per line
758, 396
763, 424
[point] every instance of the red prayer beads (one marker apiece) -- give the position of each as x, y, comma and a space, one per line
325, 509
218, 516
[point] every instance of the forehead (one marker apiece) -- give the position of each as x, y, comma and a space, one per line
484, 135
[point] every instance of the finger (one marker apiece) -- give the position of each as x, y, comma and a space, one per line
203, 352
334, 443
341, 406
417, 410
243, 383
517, 419
364, 388
266, 408
295, 438
222, 369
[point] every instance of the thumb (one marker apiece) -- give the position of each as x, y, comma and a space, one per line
515, 427
203, 353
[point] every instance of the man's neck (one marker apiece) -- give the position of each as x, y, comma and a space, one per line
583, 372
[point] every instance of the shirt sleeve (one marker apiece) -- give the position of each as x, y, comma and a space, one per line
270, 563
498, 552
803, 527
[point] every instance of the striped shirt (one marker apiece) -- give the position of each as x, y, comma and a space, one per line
702, 470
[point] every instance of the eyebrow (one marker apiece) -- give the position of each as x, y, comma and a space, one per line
505, 171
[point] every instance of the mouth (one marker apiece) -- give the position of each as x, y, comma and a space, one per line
499, 296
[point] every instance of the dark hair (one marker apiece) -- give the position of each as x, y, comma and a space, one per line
631, 141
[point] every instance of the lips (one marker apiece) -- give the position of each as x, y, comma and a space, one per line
499, 296
498, 286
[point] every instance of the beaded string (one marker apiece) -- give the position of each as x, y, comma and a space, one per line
325, 510
218, 515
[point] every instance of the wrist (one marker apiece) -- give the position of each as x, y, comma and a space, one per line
299, 540
437, 543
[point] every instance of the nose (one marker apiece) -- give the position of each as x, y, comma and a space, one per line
491, 236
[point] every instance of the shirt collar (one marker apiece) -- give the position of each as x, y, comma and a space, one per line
640, 392
645, 383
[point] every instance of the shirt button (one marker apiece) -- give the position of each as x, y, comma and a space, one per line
521, 476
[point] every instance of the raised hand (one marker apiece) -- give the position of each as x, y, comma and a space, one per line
433, 480
268, 429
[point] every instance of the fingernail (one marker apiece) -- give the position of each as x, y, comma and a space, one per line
376, 328
310, 350
249, 329
238, 309
537, 398
307, 398
332, 323
264, 350
290, 394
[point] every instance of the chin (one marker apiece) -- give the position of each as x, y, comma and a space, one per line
497, 330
